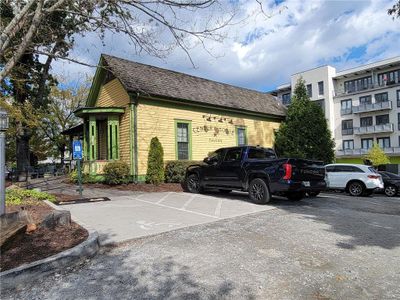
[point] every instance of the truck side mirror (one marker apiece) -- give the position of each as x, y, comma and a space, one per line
210, 160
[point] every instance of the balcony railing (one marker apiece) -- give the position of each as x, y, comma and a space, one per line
374, 129
348, 131
341, 92
358, 152
367, 107
346, 111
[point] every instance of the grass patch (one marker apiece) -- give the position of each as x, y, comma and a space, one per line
18, 196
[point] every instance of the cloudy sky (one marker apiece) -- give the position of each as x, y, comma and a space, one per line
261, 53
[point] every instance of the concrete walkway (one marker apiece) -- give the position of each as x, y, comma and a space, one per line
138, 215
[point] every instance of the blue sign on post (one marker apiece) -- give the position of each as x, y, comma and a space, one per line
77, 154
77, 150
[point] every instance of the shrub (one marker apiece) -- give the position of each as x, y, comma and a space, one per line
155, 162
116, 172
86, 178
17, 196
175, 170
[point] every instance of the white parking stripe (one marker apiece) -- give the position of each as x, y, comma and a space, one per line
180, 209
163, 198
188, 202
218, 208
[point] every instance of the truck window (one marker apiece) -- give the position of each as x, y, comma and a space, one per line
259, 154
233, 155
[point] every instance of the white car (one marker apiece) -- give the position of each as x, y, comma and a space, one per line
355, 179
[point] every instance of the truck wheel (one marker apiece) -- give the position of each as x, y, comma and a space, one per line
391, 190
356, 188
259, 192
192, 184
295, 196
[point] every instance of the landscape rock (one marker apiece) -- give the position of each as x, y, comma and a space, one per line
31, 228
56, 218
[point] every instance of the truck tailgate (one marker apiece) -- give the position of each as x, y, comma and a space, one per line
307, 170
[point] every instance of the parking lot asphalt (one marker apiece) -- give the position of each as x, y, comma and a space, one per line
330, 247
138, 215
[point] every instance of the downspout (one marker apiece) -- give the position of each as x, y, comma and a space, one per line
133, 136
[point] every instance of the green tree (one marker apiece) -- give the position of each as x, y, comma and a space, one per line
394, 11
305, 132
155, 162
59, 115
377, 156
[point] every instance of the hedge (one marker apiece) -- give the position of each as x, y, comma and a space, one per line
175, 170
116, 172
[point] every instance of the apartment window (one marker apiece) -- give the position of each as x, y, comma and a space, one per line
321, 103
384, 142
398, 98
381, 97
347, 127
348, 144
320, 88
346, 107
388, 78
366, 99
309, 90
286, 99
355, 85
241, 136
366, 121
183, 140
398, 121
382, 119
366, 143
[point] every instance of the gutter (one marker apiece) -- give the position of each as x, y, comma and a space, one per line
133, 135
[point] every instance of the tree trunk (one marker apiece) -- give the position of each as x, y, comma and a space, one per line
22, 147
62, 154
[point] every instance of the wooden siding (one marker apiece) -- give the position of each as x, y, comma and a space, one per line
114, 94
208, 131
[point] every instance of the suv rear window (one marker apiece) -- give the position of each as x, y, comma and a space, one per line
347, 169
372, 170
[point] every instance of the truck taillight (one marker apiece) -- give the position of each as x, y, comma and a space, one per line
288, 171
374, 176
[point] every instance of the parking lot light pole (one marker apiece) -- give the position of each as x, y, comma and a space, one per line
3, 128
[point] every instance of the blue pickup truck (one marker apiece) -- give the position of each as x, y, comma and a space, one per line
258, 171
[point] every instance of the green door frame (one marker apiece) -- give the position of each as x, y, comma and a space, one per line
113, 137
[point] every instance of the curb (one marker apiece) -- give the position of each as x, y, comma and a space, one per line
21, 275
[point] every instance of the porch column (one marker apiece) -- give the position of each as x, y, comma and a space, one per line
113, 137
92, 138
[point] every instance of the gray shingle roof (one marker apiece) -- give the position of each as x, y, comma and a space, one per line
137, 77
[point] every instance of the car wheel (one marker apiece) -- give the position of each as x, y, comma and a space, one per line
391, 190
192, 184
313, 194
222, 191
295, 196
356, 188
259, 192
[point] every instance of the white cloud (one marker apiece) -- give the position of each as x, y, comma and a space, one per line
262, 52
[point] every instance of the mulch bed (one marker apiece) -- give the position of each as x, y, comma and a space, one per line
42, 242
140, 187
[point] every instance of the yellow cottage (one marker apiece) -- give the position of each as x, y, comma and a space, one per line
129, 103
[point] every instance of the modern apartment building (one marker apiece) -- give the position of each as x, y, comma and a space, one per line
362, 106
